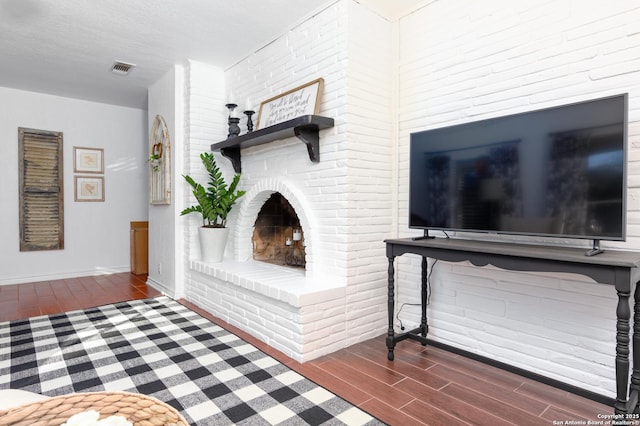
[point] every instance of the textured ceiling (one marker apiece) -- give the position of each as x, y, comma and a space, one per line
67, 48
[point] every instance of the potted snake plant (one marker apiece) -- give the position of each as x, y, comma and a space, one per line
214, 204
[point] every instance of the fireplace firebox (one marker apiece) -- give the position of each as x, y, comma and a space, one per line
278, 237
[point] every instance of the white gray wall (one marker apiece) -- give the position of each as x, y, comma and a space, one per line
96, 234
166, 98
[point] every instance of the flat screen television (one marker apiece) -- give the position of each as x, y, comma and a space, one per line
557, 172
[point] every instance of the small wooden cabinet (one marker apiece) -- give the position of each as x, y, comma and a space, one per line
139, 247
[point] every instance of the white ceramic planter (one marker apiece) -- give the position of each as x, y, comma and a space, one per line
212, 243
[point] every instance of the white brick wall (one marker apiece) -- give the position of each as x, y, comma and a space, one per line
300, 317
204, 122
368, 152
342, 201
293, 60
462, 61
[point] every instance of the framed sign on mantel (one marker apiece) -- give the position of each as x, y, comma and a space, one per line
303, 100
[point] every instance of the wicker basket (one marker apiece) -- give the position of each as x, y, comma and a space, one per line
140, 410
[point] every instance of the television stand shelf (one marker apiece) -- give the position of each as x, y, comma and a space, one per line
306, 128
618, 268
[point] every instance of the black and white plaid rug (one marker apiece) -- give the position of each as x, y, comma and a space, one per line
160, 348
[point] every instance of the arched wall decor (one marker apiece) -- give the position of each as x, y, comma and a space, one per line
159, 163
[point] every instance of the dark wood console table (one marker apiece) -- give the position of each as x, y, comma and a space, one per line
618, 268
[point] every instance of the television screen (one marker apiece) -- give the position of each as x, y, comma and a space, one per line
555, 172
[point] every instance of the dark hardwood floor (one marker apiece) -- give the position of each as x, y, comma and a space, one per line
423, 386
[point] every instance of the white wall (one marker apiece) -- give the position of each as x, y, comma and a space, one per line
463, 60
96, 237
166, 98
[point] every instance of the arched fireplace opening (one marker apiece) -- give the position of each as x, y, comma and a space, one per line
277, 234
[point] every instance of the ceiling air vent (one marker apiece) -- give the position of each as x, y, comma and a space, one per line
121, 68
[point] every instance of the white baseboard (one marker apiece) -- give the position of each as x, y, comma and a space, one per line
161, 288
61, 276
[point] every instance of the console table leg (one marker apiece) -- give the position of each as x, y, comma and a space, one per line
424, 328
635, 376
390, 307
623, 314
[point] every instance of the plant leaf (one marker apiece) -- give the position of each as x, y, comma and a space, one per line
216, 200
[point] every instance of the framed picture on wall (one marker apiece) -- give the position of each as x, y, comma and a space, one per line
88, 160
89, 188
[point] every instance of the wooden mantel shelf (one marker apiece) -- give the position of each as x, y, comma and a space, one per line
306, 128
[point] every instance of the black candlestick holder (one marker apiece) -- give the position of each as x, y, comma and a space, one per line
249, 113
234, 129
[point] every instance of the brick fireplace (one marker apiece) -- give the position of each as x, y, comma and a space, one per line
343, 202
296, 310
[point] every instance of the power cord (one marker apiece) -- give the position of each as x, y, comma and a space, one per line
400, 310
433, 264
